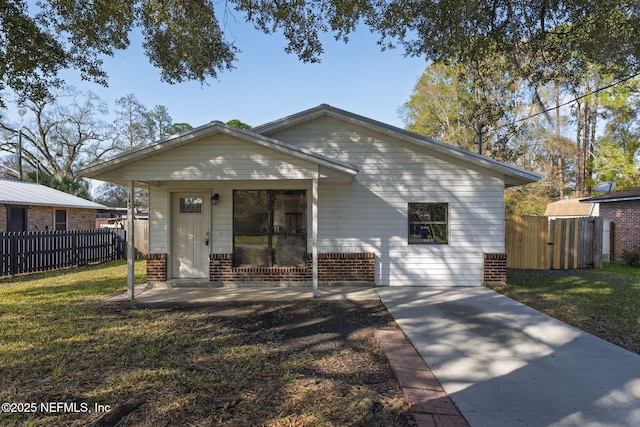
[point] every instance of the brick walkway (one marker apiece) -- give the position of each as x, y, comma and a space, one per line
430, 405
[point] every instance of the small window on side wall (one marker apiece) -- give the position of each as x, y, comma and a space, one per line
428, 223
61, 220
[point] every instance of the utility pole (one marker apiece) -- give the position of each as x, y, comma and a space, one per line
20, 155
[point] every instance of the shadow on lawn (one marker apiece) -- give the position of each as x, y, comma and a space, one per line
229, 364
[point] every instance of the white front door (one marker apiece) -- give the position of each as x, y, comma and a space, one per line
190, 235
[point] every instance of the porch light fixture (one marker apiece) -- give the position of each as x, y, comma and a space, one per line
214, 199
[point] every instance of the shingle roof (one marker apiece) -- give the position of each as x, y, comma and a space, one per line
571, 207
27, 193
617, 196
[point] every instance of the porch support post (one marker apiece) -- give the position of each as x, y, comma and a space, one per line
130, 241
314, 236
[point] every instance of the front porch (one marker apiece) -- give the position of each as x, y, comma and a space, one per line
189, 295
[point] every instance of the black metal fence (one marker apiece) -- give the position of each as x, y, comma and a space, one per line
34, 251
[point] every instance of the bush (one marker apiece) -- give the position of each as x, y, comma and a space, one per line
632, 258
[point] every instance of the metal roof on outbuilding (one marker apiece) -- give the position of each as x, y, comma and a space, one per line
27, 193
617, 196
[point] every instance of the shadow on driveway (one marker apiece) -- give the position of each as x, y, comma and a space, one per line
506, 364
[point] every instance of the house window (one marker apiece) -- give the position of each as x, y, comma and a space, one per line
269, 228
191, 205
16, 218
428, 223
61, 220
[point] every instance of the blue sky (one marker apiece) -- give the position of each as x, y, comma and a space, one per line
268, 83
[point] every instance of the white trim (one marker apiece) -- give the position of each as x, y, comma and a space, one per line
140, 153
314, 235
131, 280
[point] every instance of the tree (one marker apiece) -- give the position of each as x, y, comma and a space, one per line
238, 124
182, 38
615, 157
117, 196
185, 41
159, 123
131, 122
452, 103
441, 106
66, 184
58, 139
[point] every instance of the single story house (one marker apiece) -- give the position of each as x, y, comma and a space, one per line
571, 208
622, 208
321, 196
26, 206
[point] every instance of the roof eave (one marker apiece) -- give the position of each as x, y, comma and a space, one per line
517, 175
99, 168
617, 199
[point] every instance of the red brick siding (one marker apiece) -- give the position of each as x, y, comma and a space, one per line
626, 217
345, 267
156, 268
332, 267
495, 268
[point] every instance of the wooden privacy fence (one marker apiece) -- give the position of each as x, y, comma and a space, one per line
33, 251
540, 243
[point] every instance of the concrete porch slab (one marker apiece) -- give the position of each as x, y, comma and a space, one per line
208, 295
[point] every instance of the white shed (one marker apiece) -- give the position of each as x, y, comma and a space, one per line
323, 196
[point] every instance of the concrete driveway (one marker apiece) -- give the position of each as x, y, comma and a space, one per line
505, 364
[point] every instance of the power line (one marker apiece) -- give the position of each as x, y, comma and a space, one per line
578, 98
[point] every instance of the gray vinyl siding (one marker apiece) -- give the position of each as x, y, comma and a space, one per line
221, 230
221, 157
370, 213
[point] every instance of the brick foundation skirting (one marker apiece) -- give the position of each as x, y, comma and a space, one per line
332, 268
156, 268
495, 268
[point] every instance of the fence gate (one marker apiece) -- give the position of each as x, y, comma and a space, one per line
540, 243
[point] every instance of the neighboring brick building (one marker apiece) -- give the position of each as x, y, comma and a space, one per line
31, 207
622, 208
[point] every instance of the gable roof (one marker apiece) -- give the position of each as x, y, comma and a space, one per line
215, 127
617, 196
27, 193
513, 175
572, 208
260, 135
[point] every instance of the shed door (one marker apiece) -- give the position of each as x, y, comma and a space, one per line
190, 235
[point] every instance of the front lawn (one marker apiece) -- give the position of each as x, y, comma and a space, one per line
603, 302
69, 357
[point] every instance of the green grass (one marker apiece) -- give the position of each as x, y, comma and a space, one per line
229, 365
603, 302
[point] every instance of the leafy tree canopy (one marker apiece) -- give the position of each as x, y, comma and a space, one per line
238, 124
184, 40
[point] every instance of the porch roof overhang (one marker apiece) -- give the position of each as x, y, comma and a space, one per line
113, 169
512, 175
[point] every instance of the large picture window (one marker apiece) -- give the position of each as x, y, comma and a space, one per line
269, 228
428, 223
